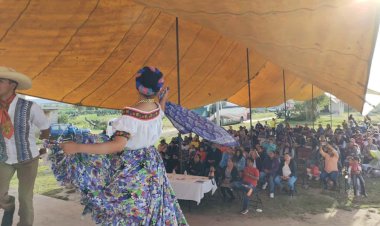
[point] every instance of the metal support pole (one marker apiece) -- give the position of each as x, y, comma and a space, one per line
178, 75
179, 94
348, 111
331, 113
249, 90
283, 79
250, 100
312, 104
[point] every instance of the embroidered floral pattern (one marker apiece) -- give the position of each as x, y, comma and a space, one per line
141, 115
121, 134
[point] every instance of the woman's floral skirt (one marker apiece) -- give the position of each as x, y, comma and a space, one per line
130, 188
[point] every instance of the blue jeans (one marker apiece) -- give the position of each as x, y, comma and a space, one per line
354, 179
291, 181
269, 178
244, 187
332, 176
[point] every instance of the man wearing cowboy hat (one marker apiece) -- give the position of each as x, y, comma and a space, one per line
18, 151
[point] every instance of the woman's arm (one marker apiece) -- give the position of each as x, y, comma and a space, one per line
116, 145
164, 98
253, 175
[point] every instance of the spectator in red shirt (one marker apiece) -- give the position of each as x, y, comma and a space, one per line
355, 170
202, 153
248, 184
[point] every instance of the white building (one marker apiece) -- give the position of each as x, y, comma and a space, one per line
337, 106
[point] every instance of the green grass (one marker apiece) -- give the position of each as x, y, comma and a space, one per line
263, 115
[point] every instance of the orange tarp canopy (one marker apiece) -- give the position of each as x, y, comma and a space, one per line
87, 52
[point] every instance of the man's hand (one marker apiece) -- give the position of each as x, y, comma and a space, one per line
42, 151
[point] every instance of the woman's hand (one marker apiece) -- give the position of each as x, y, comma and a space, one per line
70, 147
163, 94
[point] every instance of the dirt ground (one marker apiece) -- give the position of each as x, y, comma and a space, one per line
367, 217
56, 212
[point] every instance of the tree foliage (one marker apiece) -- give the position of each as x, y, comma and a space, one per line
87, 117
309, 110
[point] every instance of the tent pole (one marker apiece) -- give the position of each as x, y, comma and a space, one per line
179, 93
331, 113
312, 103
283, 80
348, 111
249, 97
178, 75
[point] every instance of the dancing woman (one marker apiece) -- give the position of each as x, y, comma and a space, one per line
123, 182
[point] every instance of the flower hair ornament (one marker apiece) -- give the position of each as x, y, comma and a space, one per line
149, 71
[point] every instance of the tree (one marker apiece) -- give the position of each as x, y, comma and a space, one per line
309, 110
312, 108
63, 118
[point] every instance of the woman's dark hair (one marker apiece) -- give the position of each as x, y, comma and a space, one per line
250, 159
149, 79
237, 158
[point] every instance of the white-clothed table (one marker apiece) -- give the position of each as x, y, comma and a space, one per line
188, 187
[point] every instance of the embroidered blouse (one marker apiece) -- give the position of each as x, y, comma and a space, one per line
141, 128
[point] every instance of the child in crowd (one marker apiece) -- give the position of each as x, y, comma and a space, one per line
248, 184
313, 172
355, 171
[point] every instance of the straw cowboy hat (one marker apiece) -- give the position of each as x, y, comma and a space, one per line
23, 81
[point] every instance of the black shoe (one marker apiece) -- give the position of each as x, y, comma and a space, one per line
8, 214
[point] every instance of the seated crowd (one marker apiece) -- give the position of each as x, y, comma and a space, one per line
268, 156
